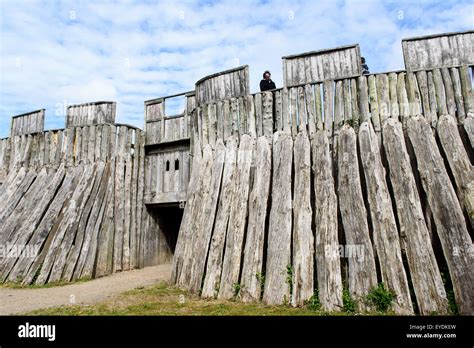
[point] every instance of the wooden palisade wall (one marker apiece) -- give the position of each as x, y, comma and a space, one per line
389, 158
72, 205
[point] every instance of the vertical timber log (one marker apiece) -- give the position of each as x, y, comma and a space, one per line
277, 290
251, 286
303, 239
328, 265
362, 272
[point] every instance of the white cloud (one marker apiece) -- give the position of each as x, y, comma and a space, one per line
131, 51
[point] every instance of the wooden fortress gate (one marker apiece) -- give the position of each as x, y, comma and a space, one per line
337, 179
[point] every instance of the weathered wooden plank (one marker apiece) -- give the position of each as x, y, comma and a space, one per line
211, 283
205, 124
91, 144
392, 84
237, 220
338, 108
363, 98
310, 109
318, 107
10, 231
383, 97
278, 111
277, 290
459, 163
466, 87
432, 99
234, 113
373, 101
328, 95
447, 213
227, 119
362, 273
127, 200
13, 196
440, 92
267, 114
212, 131
285, 111
119, 210
293, 103
243, 116
207, 216
105, 239
449, 90
425, 275
258, 114
252, 268
303, 239
422, 80
328, 267
460, 111
251, 125
469, 128
355, 103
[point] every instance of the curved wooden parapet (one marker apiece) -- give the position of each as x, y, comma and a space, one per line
318, 66
101, 112
232, 83
439, 51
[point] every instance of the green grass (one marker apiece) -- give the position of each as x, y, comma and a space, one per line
164, 299
18, 285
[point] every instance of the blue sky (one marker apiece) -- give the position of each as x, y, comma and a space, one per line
55, 53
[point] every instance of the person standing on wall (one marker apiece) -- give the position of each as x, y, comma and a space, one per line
267, 84
365, 67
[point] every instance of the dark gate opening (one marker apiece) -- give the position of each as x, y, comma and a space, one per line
169, 220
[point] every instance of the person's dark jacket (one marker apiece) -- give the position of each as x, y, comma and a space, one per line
365, 69
266, 85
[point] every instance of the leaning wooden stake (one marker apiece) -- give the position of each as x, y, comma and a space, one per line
459, 163
424, 271
212, 278
252, 270
238, 215
447, 213
385, 230
362, 273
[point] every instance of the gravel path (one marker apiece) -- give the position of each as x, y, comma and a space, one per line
16, 301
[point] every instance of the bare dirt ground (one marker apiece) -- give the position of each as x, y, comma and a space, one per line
17, 301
